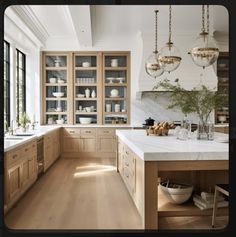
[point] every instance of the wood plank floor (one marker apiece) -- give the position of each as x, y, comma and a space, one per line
86, 194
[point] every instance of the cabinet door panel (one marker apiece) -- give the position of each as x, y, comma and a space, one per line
105, 144
88, 145
25, 172
14, 184
71, 144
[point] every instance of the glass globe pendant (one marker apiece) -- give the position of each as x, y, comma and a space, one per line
170, 55
153, 66
205, 51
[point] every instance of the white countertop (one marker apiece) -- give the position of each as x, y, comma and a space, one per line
167, 148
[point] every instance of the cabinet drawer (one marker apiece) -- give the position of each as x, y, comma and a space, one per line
88, 132
106, 131
129, 178
29, 149
74, 132
12, 157
127, 151
129, 162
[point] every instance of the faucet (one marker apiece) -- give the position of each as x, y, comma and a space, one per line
33, 124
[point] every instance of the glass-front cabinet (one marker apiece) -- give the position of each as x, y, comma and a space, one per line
116, 94
222, 114
87, 88
56, 79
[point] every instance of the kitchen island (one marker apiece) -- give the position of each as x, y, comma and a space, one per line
144, 160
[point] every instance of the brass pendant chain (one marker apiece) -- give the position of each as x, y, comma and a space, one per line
170, 24
208, 19
203, 18
156, 11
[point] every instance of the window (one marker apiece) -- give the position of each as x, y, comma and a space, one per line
6, 85
20, 84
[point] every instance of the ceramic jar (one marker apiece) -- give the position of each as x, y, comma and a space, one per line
108, 107
93, 94
114, 62
87, 93
117, 107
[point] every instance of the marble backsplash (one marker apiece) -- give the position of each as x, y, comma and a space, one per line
154, 105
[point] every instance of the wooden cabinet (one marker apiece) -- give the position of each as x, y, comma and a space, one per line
222, 114
51, 148
71, 144
105, 144
20, 172
71, 74
57, 87
224, 129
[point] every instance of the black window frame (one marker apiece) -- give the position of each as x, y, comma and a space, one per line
7, 83
18, 69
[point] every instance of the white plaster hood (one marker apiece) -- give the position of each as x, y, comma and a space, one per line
188, 73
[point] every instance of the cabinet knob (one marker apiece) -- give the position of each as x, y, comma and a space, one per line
71, 131
127, 164
88, 131
14, 157
26, 149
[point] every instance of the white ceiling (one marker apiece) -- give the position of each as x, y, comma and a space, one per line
91, 23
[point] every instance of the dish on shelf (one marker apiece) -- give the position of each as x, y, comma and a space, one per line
86, 64
176, 193
111, 96
114, 93
222, 65
121, 79
110, 79
80, 95
60, 121
58, 94
222, 118
85, 120
60, 81
53, 80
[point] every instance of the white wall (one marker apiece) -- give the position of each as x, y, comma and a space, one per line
20, 37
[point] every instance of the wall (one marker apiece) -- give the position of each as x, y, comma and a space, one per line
20, 37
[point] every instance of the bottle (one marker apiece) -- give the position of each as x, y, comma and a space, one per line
93, 94
87, 93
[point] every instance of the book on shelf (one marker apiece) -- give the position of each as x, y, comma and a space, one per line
202, 204
209, 197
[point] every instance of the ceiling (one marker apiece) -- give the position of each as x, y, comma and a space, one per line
92, 23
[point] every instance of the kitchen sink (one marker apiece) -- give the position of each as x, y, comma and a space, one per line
24, 134
14, 138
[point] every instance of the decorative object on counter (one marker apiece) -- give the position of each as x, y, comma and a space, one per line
153, 65
114, 62
108, 108
175, 192
93, 94
114, 93
53, 80
58, 94
160, 129
117, 108
170, 55
185, 130
86, 64
60, 121
24, 121
85, 120
199, 100
149, 122
205, 50
87, 93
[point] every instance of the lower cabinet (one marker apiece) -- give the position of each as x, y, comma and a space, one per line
20, 172
105, 144
88, 144
71, 144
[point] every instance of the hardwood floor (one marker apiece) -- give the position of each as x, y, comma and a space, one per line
76, 194
87, 194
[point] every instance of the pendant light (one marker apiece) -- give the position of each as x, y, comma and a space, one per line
153, 66
205, 51
170, 55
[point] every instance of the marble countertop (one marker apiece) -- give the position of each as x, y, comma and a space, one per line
167, 148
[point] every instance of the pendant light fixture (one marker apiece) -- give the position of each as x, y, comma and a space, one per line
170, 55
153, 66
205, 51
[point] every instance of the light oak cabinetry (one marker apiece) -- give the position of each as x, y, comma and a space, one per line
92, 84
20, 172
106, 141
51, 148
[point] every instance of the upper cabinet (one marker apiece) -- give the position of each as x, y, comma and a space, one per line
56, 86
116, 94
222, 114
85, 87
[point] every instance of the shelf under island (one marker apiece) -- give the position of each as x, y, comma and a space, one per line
143, 161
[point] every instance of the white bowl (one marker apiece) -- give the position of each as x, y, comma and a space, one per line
177, 195
85, 120
60, 81
80, 95
86, 64
58, 94
60, 121
52, 80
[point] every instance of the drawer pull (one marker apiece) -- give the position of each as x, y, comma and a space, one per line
87, 131
127, 164
71, 131
127, 175
26, 149
106, 131
14, 157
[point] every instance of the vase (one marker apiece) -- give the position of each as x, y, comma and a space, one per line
205, 131
87, 93
93, 94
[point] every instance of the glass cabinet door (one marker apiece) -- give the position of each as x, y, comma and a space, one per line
116, 88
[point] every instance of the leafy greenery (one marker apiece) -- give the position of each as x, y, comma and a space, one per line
24, 120
201, 101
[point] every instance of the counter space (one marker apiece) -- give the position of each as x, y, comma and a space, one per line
39, 132
169, 148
